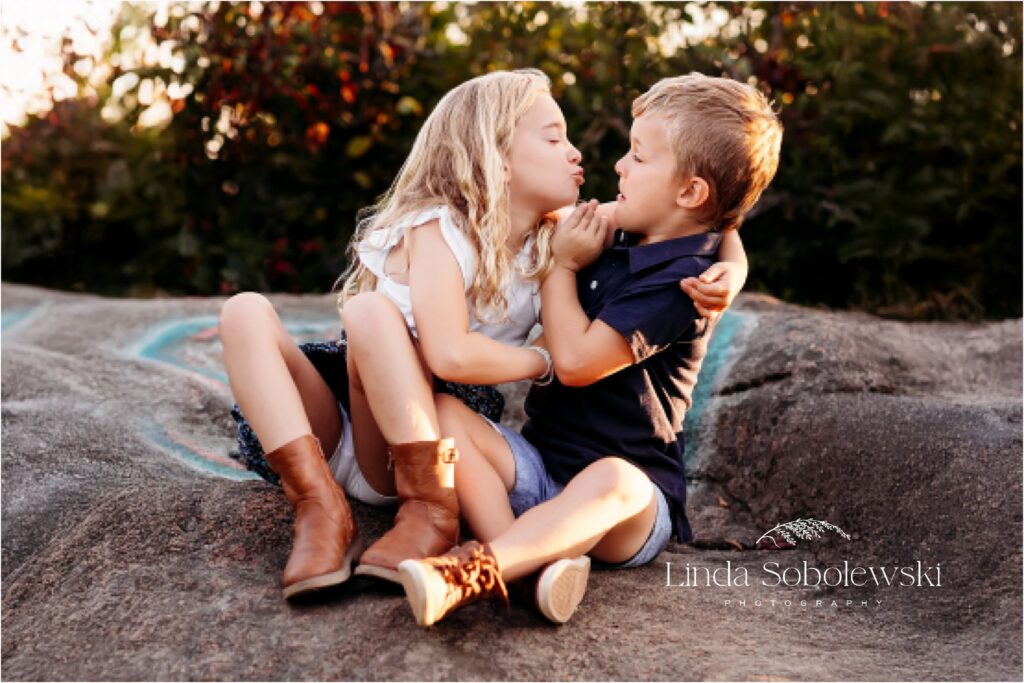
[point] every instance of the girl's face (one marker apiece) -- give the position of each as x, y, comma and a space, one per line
543, 166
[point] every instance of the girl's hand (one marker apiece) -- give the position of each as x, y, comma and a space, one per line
579, 237
712, 292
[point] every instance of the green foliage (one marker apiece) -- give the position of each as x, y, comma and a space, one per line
899, 189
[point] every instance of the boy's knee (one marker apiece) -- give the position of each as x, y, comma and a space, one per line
622, 482
241, 309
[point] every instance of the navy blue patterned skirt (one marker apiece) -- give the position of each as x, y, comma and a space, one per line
328, 357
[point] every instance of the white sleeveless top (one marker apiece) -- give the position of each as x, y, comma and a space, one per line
523, 295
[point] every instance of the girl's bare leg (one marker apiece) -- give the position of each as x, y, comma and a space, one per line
278, 389
390, 388
370, 446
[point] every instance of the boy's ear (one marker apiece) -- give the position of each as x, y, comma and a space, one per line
693, 192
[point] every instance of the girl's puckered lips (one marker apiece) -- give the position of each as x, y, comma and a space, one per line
579, 177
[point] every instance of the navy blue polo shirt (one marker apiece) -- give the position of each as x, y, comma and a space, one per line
636, 413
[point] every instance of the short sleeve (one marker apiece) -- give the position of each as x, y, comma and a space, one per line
652, 318
373, 250
459, 243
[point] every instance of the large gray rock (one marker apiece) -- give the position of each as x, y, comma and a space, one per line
134, 548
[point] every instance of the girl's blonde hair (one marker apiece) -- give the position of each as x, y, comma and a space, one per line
458, 160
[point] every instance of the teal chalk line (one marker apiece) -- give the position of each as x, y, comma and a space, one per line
720, 349
195, 461
15, 317
163, 343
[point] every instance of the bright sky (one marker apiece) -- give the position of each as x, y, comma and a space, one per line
30, 38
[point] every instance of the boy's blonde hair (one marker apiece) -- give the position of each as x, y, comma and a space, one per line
458, 159
723, 131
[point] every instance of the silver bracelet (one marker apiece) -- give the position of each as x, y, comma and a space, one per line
549, 373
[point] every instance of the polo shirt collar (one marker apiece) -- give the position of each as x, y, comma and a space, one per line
648, 255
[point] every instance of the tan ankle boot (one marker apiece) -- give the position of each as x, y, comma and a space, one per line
324, 539
427, 523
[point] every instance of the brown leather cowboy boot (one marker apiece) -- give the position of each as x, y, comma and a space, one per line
427, 523
435, 586
324, 539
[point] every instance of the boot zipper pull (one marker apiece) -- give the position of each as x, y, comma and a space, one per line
391, 461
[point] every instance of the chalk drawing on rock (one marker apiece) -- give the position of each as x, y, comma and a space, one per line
191, 345
17, 317
720, 352
186, 451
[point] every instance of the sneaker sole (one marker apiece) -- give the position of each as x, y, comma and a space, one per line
561, 588
378, 572
335, 578
414, 581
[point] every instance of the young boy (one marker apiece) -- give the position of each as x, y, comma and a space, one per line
598, 467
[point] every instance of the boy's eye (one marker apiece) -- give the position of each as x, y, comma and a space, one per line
636, 158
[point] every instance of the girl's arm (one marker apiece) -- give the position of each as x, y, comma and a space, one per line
439, 308
605, 210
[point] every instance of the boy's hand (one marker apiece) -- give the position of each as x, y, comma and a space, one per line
579, 237
712, 291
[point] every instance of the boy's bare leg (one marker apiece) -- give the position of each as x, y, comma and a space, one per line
606, 511
486, 470
390, 388
278, 389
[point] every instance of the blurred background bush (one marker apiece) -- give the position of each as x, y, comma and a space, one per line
209, 148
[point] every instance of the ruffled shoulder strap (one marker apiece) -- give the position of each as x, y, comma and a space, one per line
374, 249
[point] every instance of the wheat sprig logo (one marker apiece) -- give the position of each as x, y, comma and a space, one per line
806, 529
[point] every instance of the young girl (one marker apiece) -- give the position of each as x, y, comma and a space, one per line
454, 298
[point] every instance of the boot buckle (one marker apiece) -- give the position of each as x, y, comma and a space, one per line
450, 455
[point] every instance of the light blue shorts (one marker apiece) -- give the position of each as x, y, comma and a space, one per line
534, 486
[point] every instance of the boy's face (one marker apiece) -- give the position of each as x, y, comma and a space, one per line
648, 183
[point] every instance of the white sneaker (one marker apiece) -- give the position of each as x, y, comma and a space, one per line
561, 586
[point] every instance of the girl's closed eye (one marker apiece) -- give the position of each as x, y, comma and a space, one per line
636, 158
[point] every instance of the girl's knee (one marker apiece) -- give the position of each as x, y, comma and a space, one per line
370, 315
242, 309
